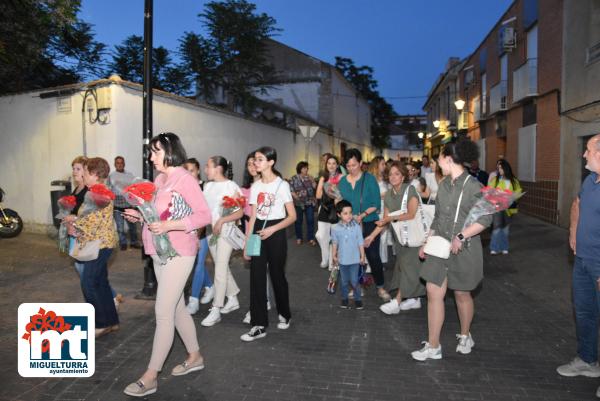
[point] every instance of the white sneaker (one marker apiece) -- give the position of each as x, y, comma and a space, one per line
255, 333
231, 305
578, 367
193, 305
504, 252
493, 253
284, 323
427, 352
268, 305
390, 308
324, 265
247, 318
465, 343
410, 303
209, 294
214, 317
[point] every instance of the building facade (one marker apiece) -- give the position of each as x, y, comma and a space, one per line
441, 113
407, 136
580, 100
511, 86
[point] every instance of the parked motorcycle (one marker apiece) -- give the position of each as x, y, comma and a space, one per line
11, 223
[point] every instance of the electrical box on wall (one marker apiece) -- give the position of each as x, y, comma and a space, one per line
103, 96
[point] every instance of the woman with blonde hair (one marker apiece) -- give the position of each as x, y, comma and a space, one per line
378, 168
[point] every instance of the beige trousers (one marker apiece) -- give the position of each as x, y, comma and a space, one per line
170, 309
225, 284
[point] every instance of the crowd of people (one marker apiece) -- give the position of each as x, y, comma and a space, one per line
355, 204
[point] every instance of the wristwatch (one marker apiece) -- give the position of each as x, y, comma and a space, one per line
460, 237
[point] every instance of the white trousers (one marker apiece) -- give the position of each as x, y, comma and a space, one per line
224, 282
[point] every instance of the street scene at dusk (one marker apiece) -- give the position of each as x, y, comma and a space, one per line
273, 200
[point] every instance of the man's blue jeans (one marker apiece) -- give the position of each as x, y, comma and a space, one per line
586, 298
310, 222
120, 220
349, 277
201, 276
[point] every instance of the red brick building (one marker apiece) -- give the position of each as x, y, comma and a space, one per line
511, 88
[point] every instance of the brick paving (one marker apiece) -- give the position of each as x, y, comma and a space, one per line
523, 329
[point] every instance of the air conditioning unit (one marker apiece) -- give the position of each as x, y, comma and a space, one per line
509, 38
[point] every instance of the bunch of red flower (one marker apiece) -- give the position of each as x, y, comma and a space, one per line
233, 203
141, 191
500, 198
67, 202
101, 195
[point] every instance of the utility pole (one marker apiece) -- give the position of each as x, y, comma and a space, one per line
149, 290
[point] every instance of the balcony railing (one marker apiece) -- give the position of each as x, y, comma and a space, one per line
525, 80
498, 97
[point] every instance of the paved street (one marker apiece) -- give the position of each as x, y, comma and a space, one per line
523, 329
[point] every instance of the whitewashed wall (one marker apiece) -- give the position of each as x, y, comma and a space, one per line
38, 143
351, 118
301, 96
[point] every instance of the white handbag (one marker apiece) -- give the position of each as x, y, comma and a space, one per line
85, 253
234, 236
411, 233
439, 246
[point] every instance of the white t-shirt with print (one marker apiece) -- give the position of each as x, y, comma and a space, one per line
215, 191
269, 204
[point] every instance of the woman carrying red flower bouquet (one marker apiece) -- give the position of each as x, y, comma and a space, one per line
221, 195
183, 209
95, 222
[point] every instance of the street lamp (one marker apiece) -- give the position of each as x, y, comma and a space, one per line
436, 124
460, 105
420, 135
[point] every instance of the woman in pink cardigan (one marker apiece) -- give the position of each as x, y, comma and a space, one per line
179, 193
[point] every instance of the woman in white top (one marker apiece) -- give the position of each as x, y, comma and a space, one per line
272, 211
218, 171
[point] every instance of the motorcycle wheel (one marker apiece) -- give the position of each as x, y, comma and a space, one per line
12, 226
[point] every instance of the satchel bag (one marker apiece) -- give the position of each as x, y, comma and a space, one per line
439, 246
254, 242
234, 236
86, 252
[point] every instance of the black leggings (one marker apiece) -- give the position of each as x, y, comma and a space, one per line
273, 254
372, 253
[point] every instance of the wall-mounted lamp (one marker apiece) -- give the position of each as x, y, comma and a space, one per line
436, 123
420, 135
460, 104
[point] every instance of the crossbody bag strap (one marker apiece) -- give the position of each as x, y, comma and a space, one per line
362, 186
458, 205
275, 198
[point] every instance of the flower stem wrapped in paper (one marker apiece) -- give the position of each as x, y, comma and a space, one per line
66, 204
140, 195
494, 200
229, 206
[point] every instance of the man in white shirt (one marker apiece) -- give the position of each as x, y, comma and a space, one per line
425, 168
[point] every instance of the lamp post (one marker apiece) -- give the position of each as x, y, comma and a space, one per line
308, 132
149, 290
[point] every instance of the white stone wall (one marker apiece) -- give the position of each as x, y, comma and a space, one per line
351, 118
38, 143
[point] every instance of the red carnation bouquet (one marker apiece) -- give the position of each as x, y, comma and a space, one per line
140, 194
97, 197
229, 206
66, 204
331, 187
493, 200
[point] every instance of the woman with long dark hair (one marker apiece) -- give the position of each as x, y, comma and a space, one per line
504, 179
327, 214
272, 211
463, 270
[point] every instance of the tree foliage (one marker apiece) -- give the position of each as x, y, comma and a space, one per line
43, 43
232, 56
382, 113
128, 63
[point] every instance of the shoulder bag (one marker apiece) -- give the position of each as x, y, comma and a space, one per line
412, 233
439, 246
253, 244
